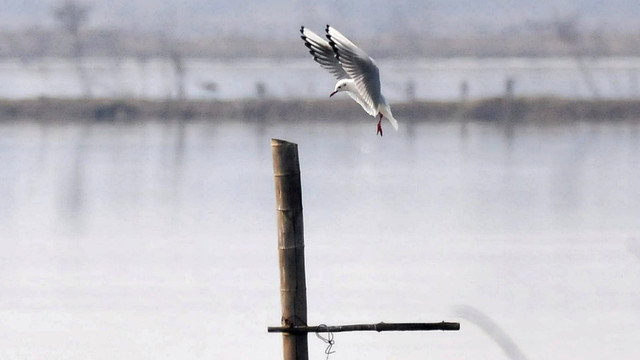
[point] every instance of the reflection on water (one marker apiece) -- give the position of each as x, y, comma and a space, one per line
494, 331
158, 238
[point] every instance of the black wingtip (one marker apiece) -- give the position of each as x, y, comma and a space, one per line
303, 36
327, 28
334, 47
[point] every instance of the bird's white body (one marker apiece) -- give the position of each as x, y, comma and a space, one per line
357, 73
383, 108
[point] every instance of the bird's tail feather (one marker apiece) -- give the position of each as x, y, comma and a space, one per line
393, 122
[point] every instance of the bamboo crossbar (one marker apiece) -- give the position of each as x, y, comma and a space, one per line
444, 326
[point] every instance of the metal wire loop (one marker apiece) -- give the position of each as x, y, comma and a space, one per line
328, 340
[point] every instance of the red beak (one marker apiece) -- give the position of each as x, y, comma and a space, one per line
333, 93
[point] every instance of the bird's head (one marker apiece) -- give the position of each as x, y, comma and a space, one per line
341, 85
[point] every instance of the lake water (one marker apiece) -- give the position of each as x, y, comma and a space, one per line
158, 239
402, 80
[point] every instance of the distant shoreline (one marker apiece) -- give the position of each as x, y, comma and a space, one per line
493, 109
36, 43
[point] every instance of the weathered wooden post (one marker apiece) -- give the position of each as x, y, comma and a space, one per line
293, 290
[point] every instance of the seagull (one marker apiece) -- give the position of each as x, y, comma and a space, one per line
357, 73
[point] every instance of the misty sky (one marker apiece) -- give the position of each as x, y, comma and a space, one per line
357, 17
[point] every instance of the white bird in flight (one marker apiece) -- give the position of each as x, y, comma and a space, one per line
356, 71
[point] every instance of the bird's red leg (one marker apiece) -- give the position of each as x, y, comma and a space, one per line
379, 126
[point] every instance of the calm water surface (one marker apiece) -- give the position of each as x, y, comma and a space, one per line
158, 239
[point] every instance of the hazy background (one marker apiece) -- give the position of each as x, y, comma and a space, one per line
406, 27
272, 19
146, 237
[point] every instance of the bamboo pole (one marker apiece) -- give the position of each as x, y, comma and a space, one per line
444, 326
293, 292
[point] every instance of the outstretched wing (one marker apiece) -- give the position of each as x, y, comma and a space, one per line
323, 53
358, 65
